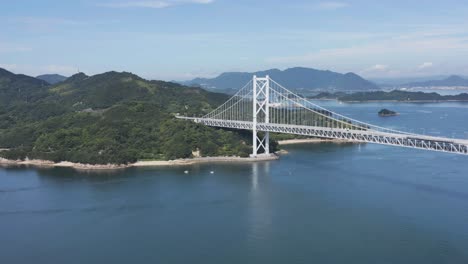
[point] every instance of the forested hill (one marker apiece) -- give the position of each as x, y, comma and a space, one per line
109, 118
16, 88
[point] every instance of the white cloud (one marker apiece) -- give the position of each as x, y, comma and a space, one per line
413, 46
331, 5
9, 67
34, 70
379, 67
153, 4
425, 65
60, 69
387, 49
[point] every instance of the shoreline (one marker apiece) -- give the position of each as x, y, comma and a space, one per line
160, 163
191, 161
154, 163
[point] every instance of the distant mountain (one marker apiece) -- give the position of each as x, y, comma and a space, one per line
453, 80
52, 78
304, 79
16, 88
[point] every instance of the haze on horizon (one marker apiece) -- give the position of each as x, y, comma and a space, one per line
183, 39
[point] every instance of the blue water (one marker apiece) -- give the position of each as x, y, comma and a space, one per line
321, 203
435, 119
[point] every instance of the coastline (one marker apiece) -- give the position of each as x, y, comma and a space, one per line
160, 163
62, 164
154, 163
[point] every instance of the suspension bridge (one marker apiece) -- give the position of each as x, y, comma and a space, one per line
265, 106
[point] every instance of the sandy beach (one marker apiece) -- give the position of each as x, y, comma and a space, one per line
154, 163
157, 163
63, 164
179, 162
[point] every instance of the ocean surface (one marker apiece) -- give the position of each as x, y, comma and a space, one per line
321, 203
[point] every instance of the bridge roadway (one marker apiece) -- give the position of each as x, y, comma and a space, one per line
449, 145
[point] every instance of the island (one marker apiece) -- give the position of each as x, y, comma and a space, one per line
392, 96
386, 113
114, 119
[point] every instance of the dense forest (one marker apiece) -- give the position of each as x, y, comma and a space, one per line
109, 118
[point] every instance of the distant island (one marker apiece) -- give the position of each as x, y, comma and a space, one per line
385, 113
396, 95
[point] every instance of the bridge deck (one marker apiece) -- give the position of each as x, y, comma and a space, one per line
457, 146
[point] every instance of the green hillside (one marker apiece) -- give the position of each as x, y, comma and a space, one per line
18, 88
111, 118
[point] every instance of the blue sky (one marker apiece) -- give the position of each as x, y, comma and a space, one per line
182, 39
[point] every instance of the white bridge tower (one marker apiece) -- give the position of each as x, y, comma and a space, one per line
261, 114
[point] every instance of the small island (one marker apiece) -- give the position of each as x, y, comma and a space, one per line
386, 112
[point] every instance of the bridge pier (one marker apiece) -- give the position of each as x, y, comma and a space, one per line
261, 113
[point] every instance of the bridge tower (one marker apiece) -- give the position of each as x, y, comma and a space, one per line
261, 113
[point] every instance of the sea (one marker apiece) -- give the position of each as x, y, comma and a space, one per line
319, 203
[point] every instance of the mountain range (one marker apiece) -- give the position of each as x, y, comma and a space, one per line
298, 78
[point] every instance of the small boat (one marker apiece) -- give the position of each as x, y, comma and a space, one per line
211, 172
186, 172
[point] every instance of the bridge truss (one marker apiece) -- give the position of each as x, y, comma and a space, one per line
265, 106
